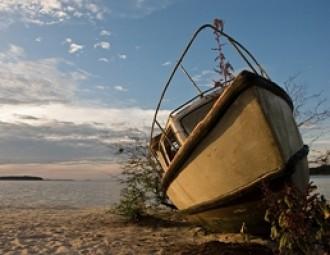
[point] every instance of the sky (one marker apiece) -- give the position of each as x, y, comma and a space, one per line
81, 78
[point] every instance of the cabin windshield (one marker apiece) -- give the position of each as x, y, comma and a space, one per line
191, 119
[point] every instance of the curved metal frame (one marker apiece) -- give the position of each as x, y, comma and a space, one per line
242, 51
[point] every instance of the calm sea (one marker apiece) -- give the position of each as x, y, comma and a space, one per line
79, 194
58, 194
323, 185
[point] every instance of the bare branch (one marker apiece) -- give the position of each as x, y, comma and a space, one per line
309, 109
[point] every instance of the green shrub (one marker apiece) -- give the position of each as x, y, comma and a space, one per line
141, 180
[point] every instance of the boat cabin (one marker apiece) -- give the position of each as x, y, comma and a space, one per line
180, 124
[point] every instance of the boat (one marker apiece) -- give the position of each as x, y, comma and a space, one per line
217, 150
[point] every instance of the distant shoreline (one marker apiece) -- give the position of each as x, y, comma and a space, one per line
30, 178
21, 178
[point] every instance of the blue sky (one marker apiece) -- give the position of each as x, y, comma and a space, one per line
80, 77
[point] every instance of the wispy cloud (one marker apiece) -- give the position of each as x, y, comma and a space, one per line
33, 82
105, 33
57, 141
120, 88
100, 87
140, 8
48, 12
64, 132
13, 53
106, 60
119, 119
102, 45
73, 47
122, 56
205, 78
38, 39
43, 120
167, 63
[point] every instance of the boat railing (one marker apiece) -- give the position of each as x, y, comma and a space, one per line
190, 101
241, 50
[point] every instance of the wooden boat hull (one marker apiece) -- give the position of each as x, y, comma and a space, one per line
247, 138
230, 219
249, 209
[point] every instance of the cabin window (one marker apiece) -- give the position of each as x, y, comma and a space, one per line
190, 120
171, 144
164, 155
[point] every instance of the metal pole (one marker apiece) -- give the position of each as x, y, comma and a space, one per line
200, 92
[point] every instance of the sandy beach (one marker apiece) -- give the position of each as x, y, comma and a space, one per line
96, 231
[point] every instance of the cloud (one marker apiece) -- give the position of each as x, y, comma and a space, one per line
118, 119
93, 8
26, 117
38, 39
102, 45
167, 63
122, 56
103, 60
100, 87
63, 132
56, 141
73, 47
139, 8
205, 78
120, 88
25, 81
105, 33
43, 120
13, 53
48, 12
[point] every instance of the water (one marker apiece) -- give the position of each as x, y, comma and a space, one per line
58, 194
323, 185
80, 194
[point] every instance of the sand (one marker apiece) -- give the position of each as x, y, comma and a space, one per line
96, 231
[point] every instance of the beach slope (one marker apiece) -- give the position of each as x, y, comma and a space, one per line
95, 231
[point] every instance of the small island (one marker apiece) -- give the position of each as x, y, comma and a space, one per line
21, 178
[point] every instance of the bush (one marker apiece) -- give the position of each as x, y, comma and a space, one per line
300, 221
141, 180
